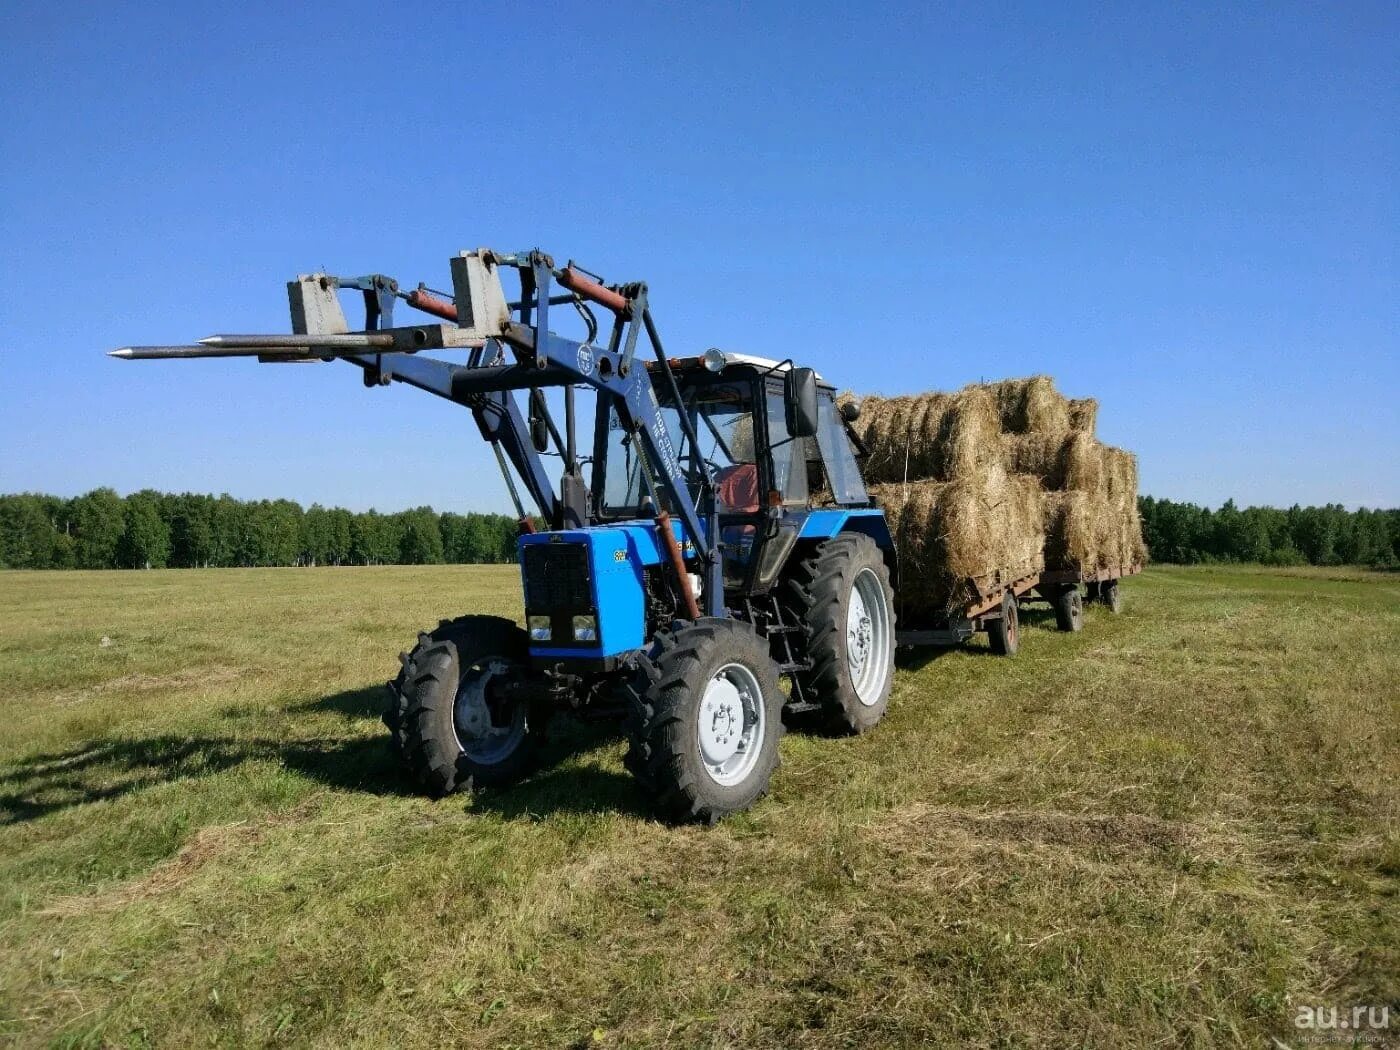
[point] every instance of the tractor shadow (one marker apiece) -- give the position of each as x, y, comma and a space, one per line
570, 778
917, 657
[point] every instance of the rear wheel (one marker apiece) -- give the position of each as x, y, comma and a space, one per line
452, 719
845, 604
704, 736
1110, 596
1005, 632
1069, 609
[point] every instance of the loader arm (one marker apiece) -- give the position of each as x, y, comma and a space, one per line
491, 329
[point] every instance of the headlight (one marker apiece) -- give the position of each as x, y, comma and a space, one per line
539, 628
585, 629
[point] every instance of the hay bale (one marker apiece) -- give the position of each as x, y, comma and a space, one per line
893, 430
934, 436
966, 442
1083, 464
1083, 414
1029, 405
1120, 476
1042, 456
1079, 531
1095, 524
949, 533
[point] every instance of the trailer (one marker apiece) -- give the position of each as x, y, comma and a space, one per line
997, 598
991, 608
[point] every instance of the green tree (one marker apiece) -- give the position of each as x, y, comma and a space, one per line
145, 542
316, 536
99, 520
338, 536
27, 534
373, 539
192, 531
227, 522
420, 539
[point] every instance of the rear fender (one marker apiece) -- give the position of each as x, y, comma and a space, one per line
868, 521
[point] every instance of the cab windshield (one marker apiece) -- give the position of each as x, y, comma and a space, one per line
721, 415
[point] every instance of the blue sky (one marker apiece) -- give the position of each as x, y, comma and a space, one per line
1191, 215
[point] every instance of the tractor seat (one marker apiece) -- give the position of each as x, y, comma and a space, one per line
737, 488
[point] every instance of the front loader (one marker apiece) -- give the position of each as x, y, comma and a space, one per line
717, 568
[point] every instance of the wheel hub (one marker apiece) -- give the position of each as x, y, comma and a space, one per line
868, 638
478, 735
859, 633
730, 724
721, 721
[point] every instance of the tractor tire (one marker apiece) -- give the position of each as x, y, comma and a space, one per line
1004, 633
436, 735
841, 596
1069, 609
703, 735
1110, 596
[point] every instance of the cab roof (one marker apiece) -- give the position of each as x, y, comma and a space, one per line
731, 359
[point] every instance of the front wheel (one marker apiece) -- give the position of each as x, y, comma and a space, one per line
703, 739
454, 721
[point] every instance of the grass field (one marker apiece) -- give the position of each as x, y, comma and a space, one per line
1174, 828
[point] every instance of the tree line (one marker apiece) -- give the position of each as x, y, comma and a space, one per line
1186, 534
149, 529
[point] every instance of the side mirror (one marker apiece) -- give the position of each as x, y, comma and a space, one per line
539, 433
850, 411
800, 394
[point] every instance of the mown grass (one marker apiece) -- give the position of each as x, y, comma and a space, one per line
1172, 829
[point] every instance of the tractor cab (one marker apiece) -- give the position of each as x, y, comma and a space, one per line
770, 445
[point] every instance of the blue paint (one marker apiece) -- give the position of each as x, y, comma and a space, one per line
617, 554
825, 523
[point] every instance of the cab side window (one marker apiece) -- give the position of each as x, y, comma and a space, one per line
843, 480
789, 461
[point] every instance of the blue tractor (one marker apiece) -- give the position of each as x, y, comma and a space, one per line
711, 566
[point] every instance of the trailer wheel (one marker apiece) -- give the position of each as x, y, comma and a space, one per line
1110, 596
842, 598
704, 735
1005, 632
456, 728
1069, 609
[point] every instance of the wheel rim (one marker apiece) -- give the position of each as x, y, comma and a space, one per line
1013, 626
868, 638
478, 735
732, 722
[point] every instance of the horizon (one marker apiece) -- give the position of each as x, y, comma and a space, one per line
510, 513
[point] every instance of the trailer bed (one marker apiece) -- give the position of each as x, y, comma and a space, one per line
985, 604
1053, 577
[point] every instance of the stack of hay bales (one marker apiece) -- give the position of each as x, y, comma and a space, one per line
995, 482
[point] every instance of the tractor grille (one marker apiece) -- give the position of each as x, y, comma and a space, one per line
556, 578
